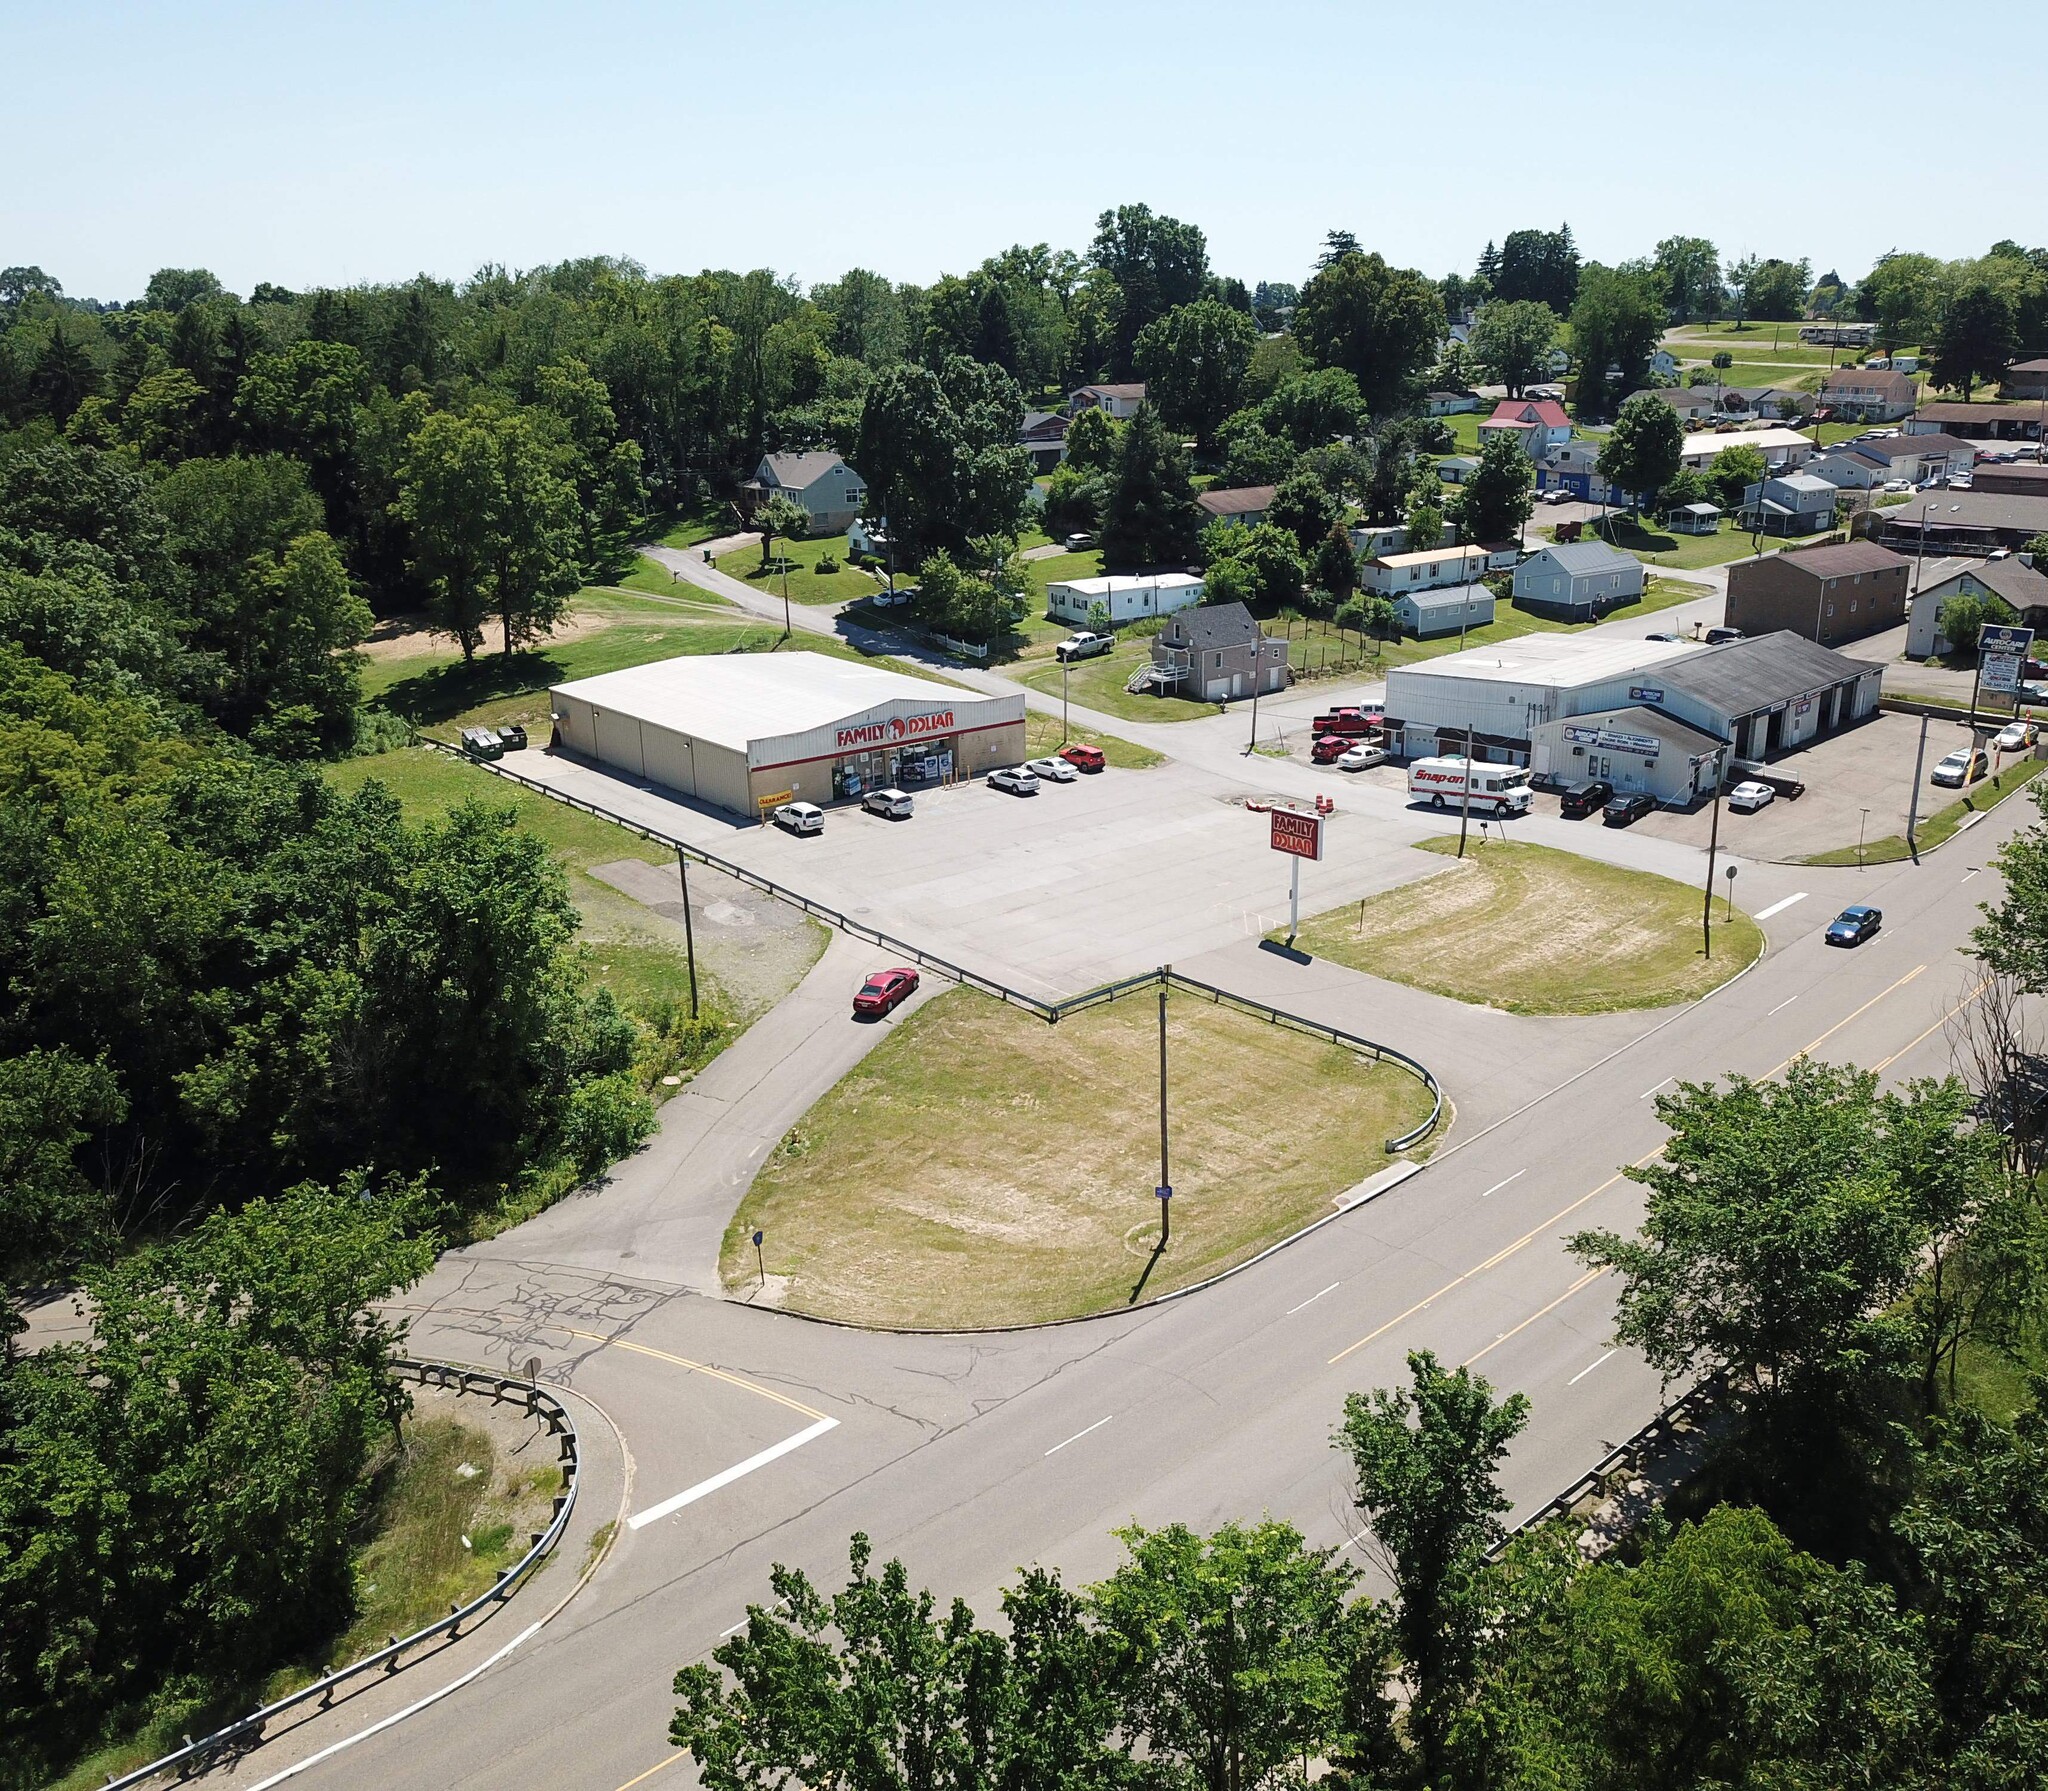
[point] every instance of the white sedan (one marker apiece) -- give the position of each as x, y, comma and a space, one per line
2015, 736
1362, 758
1747, 798
1054, 771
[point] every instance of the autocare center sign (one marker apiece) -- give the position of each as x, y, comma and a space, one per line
1298, 834
897, 730
2001, 655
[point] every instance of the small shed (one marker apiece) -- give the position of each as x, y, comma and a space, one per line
1445, 610
1455, 469
1694, 519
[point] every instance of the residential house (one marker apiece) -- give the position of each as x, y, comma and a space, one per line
1389, 575
1128, 596
1980, 421
1246, 504
1118, 402
1574, 467
1876, 396
1372, 540
1449, 404
1217, 653
1448, 609
1664, 364
829, 490
1795, 504
1769, 402
2027, 379
1782, 449
1537, 423
1827, 594
1578, 580
1695, 404
1852, 467
2011, 581
1044, 437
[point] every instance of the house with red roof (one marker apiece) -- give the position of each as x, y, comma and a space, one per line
1538, 423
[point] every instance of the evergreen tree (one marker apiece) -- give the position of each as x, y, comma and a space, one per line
1149, 514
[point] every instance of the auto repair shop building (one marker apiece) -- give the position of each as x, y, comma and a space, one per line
746, 731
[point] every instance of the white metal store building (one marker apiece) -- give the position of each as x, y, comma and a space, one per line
746, 731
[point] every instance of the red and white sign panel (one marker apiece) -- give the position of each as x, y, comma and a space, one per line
1297, 833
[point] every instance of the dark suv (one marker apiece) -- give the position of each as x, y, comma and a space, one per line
1576, 801
1625, 810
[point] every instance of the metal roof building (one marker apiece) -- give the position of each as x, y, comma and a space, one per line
746, 731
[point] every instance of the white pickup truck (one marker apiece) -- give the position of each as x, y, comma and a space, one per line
1084, 645
1450, 783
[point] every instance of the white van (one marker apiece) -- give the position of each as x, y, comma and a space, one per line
1494, 789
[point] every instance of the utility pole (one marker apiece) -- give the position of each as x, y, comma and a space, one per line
1863, 821
1465, 810
1259, 672
1066, 666
1913, 798
1165, 1188
1713, 845
689, 931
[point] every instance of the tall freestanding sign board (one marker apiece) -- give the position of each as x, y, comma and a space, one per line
1299, 836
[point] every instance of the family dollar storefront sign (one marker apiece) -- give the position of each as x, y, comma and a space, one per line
897, 730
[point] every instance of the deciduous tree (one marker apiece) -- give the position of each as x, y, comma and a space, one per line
1645, 448
1512, 340
1380, 324
1497, 495
1193, 361
1975, 339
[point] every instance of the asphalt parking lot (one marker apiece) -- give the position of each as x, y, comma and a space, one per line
1108, 876
1869, 768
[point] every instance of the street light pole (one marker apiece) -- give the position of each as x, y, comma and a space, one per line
1713, 846
1165, 1188
1066, 666
1258, 671
1863, 821
689, 932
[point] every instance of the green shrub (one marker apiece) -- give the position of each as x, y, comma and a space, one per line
827, 563
607, 1117
1724, 359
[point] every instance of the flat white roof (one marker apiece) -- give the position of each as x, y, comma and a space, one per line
1127, 581
1714, 440
732, 699
1562, 661
1430, 556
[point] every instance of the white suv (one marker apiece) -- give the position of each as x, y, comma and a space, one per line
800, 817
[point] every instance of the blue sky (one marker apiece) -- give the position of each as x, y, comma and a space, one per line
322, 144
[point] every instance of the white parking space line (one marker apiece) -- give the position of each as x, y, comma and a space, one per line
1588, 1369
738, 1471
1780, 907
735, 1630
1780, 1008
1967, 875
1314, 1297
1648, 1092
1497, 1186
1079, 1434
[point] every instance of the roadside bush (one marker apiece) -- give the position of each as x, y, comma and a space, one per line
607, 1117
828, 563
1724, 359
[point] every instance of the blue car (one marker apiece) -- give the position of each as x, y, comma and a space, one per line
1854, 925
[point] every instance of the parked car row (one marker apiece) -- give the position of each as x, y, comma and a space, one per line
1062, 767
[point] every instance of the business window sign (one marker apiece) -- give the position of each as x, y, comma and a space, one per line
1298, 834
897, 730
1646, 746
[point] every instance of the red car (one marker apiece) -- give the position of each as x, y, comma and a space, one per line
884, 990
1083, 758
1329, 749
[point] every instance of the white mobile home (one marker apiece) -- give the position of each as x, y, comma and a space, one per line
1128, 596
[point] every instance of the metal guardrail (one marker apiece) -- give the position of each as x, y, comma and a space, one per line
1693, 1404
538, 1401
1052, 1012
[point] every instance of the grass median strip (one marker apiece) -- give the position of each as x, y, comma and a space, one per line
1534, 930
983, 1168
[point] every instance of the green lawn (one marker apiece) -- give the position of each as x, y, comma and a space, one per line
1943, 823
1099, 684
1537, 931
1658, 593
703, 522
656, 580
1043, 736
806, 583
979, 1167
1059, 568
1663, 547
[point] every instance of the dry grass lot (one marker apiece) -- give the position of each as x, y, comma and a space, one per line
1537, 931
983, 1168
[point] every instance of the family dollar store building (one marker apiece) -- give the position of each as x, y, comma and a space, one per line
746, 731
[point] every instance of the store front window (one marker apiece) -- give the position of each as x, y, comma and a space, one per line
918, 765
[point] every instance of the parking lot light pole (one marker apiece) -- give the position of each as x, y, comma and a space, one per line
1863, 821
1165, 1188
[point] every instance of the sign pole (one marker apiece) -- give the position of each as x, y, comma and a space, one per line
760, 1261
1465, 813
1713, 845
1294, 904
689, 932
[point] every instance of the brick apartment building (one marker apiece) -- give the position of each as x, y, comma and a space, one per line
1828, 594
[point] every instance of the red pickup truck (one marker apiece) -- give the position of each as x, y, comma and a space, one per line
1353, 720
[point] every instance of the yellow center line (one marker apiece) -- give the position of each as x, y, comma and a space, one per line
1585, 1280
1808, 1050
640, 1778
717, 1374
1493, 1261
1529, 1237
1879, 1069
